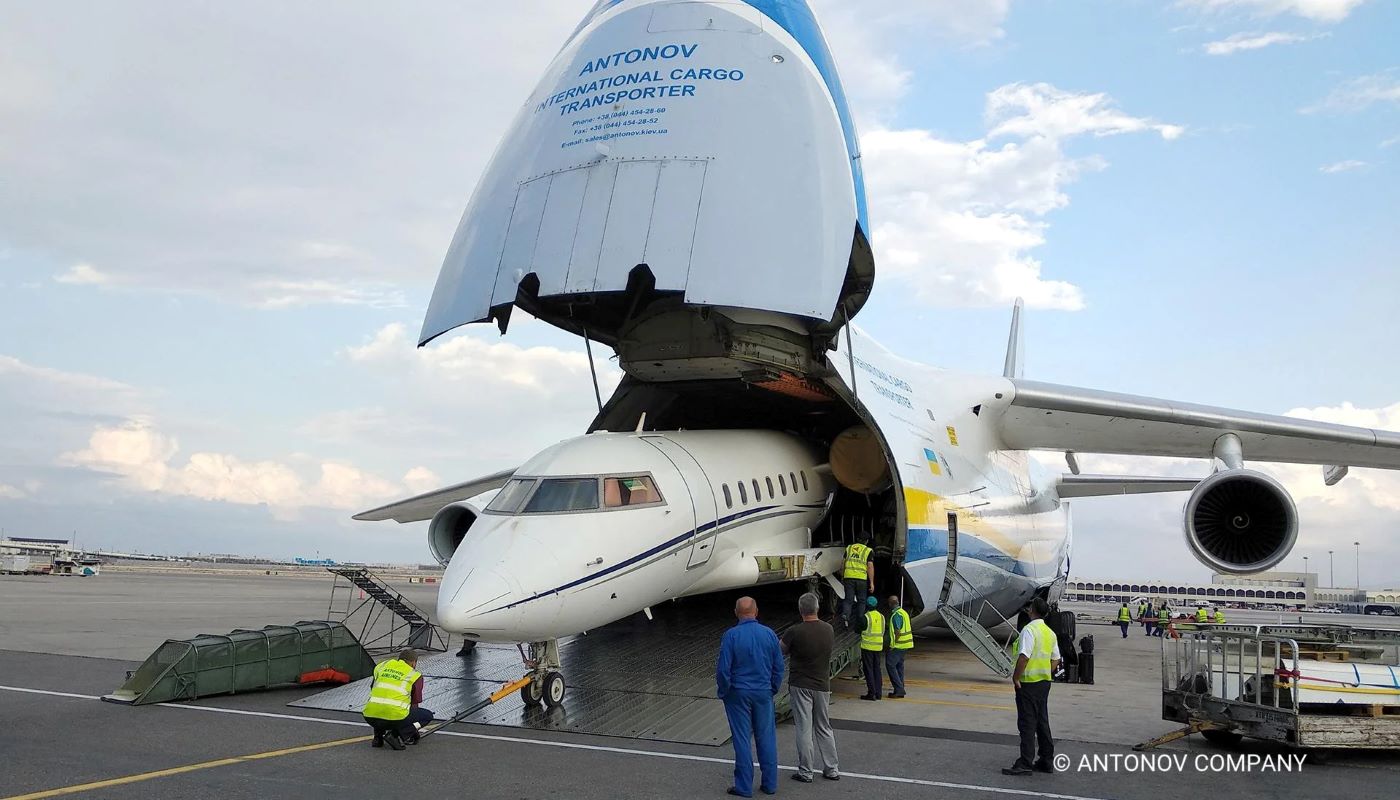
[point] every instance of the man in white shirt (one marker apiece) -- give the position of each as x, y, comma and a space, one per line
1037, 662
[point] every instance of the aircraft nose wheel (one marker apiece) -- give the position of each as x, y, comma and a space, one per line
553, 689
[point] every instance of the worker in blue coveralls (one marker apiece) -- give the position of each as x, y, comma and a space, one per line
748, 674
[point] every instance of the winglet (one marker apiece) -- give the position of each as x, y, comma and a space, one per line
1014, 367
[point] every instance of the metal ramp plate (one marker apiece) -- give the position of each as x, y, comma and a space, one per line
979, 641
634, 678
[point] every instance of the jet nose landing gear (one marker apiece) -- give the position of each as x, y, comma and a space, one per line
546, 681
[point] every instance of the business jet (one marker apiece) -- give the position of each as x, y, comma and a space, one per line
684, 186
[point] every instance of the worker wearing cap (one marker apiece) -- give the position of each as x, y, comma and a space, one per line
899, 641
393, 709
872, 646
858, 576
1125, 617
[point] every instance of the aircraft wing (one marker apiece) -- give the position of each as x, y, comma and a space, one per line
1044, 416
424, 506
1105, 485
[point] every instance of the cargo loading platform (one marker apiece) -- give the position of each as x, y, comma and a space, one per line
636, 678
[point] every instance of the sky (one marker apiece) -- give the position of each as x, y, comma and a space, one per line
220, 224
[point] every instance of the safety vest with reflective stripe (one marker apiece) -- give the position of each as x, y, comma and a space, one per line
873, 637
1142, 610
392, 693
1201, 615
1038, 665
901, 636
1124, 615
1164, 615
856, 556
1220, 618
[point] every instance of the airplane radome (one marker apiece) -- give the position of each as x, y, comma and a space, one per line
684, 186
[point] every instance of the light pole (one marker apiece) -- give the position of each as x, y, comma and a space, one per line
1331, 574
1305, 568
1358, 565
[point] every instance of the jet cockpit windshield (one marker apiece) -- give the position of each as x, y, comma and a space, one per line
575, 494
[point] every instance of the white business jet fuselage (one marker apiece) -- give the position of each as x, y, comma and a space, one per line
601, 527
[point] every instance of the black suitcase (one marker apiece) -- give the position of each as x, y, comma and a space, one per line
1086, 667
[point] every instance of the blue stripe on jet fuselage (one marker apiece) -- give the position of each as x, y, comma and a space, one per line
925, 543
653, 551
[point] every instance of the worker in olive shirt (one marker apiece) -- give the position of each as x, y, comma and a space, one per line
808, 647
749, 672
393, 709
872, 646
900, 641
858, 577
1038, 660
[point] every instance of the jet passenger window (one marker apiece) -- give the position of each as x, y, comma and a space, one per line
743, 495
564, 494
803, 473
630, 491
728, 501
509, 498
782, 484
771, 495
792, 479
757, 495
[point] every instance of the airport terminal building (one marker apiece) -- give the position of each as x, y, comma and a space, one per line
1263, 589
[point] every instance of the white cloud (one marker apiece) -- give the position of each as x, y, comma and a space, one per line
84, 274
143, 458
12, 492
960, 220
1252, 41
1391, 141
1359, 94
1316, 10
1342, 166
421, 480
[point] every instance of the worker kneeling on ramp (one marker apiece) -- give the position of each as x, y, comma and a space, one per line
393, 709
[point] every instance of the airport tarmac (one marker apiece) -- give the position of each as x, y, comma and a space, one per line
66, 641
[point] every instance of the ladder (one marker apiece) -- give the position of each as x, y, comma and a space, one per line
407, 625
962, 621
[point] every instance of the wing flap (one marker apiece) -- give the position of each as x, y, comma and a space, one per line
1045, 416
1105, 485
424, 506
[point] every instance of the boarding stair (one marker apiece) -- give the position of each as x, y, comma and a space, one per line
963, 620
387, 620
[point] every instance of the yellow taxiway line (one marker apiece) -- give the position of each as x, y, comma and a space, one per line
165, 773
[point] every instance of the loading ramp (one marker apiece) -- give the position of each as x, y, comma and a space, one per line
635, 678
245, 661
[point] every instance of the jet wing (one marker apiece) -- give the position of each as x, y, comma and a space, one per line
424, 506
1105, 485
1044, 416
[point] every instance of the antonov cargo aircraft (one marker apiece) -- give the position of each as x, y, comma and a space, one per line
684, 186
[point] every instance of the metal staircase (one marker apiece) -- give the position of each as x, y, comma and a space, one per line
962, 619
387, 620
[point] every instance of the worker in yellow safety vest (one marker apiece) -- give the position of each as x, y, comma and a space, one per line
1201, 615
1219, 618
393, 709
1125, 618
872, 644
1164, 618
900, 640
858, 576
1037, 660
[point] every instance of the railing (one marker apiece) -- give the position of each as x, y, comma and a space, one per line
1234, 666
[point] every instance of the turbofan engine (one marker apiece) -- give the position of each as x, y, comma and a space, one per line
448, 528
1240, 521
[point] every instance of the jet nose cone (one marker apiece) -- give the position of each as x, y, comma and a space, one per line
468, 605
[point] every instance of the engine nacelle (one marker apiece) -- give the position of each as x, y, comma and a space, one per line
448, 528
1240, 521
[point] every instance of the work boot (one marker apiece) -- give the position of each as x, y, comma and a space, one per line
1016, 769
1044, 766
378, 740
392, 739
